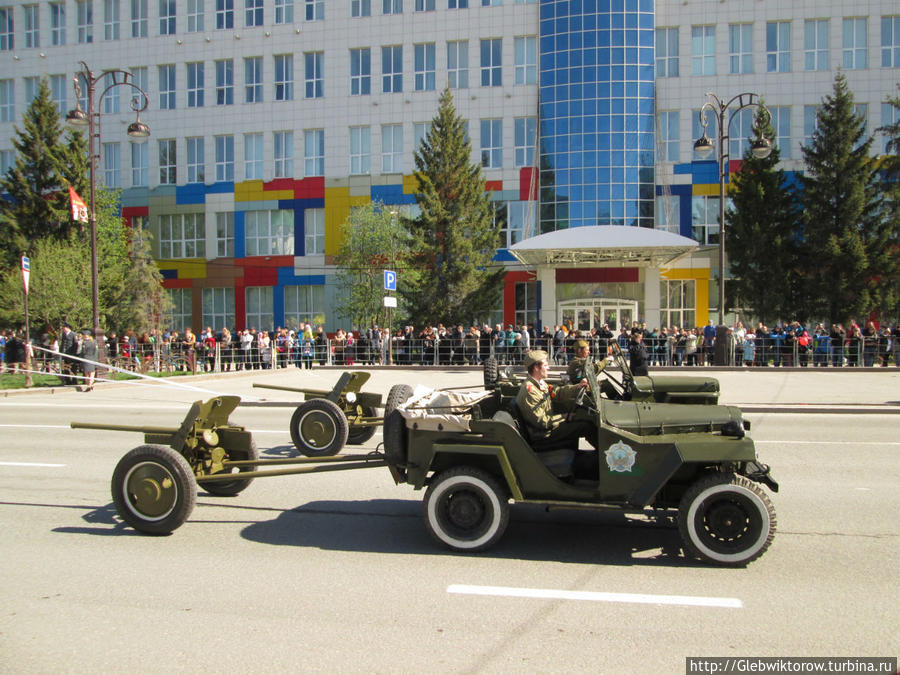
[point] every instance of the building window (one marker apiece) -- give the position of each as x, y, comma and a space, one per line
258, 303
314, 152
703, 50
58, 24
890, 42
218, 307
424, 66
705, 219
392, 7
225, 82
196, 160
167, 17
284, 154
424, 5
669, 121
182, 235
855, 44
304, 304
181, 313
167, 87
492, 144
32, 26
314, 78
111, 19
58, 91
676, 299
457, 4
224, 158
420, 132
84, 16
525, 132
112, 165
253, 74
740, 48
392, 69
284, 77
269, 232
315, 10
740, 132
224, 14
778, 47
253, 156
458, 64
140, 160
359, 8
360, 71
667, 52
225, 234
526, 303
810, 123
521, 222
890, 114
391, 148
492, 62
359, 150
31, 90
526, 60
195, 84
168, 174
7, 159
109, 104
139, 18
491, 3
7, 101
253, 13
781, 122
815, 44
284, 12
314, 231
195, 21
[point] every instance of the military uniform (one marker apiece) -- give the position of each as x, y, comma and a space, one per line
545, 429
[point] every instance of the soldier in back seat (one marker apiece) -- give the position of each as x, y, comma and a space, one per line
544, 429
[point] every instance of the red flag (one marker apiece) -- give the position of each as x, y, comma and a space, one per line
79, 209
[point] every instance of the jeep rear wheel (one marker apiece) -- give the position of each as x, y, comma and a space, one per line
466, 509
726, 519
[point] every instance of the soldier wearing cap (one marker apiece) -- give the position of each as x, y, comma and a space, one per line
576, 372
544, 428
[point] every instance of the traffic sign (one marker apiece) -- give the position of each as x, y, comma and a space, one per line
390, 280
26, 271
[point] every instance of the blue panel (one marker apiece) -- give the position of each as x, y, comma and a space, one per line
299, 232
705, 172
223, 187
278, 305
240, 239
286, 277
169, 274
387, 194
503, 255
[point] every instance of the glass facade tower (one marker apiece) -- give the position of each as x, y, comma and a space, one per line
596, 113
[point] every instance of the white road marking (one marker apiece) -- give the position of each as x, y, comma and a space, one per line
632, 598
54, 466
756, 440
37, 426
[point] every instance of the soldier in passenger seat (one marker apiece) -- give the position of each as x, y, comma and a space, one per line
544, 429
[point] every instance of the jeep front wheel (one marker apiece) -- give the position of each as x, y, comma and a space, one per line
726, 519
466, 509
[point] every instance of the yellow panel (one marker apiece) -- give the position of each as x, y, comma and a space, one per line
711, 190
190, 268
249, 191
681, 273
702, 303
278, 194
410, 185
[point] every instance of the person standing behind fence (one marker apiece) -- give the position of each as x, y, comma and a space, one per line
68, 347
89, 352
307, 347
188, 347
870, 344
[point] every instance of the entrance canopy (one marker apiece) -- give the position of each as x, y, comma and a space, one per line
603, 244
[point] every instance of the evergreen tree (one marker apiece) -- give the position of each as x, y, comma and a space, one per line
37, 184
372, 240
891, 189
455, 238
845, 232
762, 228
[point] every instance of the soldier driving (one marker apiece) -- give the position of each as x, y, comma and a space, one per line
545, 429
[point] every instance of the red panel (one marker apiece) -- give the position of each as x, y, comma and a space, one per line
260, 276
310, 188
493, 185
266, 261
128, 212
734, 166
598, 275
178, 283
280, 184
528, 183
509, 294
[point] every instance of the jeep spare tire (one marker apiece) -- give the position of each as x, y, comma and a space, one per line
491, 373
395, 424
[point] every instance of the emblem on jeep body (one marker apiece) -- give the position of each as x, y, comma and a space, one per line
620, 457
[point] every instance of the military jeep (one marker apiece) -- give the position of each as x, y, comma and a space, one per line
623, 386
472, 456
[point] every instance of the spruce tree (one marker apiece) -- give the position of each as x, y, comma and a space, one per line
37, 184
454, 238
890, 290
844, 232
762, 228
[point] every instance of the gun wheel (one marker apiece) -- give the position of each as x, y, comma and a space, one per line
233, 487
319, 428
726, 520
153, 489
359, 435
466, 509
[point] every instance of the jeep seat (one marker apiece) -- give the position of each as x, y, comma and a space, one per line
559, 461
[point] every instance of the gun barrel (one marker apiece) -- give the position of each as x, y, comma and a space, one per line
124, 427
318, 392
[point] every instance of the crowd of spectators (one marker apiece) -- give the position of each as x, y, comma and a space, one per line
784, 344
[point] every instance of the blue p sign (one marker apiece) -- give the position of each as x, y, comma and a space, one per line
390, 280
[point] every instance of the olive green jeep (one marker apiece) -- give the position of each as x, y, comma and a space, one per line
471, 453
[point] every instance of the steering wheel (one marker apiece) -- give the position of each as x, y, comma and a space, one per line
579, 398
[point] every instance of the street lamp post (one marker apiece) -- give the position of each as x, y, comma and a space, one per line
760, 147
91, 120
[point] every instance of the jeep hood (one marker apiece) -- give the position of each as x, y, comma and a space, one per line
649, 419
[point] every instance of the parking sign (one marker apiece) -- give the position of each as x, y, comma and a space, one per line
390, 280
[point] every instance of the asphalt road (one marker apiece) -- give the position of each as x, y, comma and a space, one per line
337, 573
